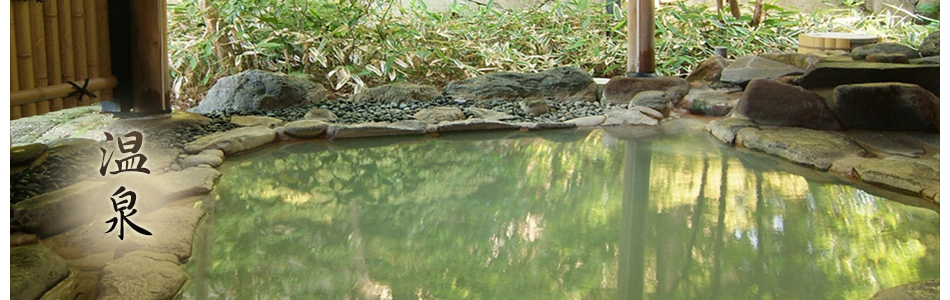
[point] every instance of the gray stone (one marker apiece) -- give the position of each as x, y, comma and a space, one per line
212, 160
233, 141
903, 175
87, 240
801, 60
434, 115
861, 53
173, 231
25, 154
770, 103
725, 129
922, 290
259, 90
886, 142
560, 84
830, 74
534, 106
813, 148
488, 114
891, 58
376, 129
141, 275
709, 71
476, 125
58, 211
929, 60
648, 111
34, 270
931, 45
751, 67
319, 114
628, 117
712, 105
621, 90
886, 107
658, 100
306, 129
250, 121
215, 152
397, 93
588, 121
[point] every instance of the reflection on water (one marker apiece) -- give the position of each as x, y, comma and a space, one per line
559, 215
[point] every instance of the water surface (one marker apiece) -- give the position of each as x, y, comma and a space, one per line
552, 215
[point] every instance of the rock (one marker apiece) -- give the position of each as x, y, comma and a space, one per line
898, 174
587, 121
233, 141
376, 129
58, 211
891, 58
397, 93
563, 84
25, 154
86, 240
861, 53
931, 45
34, 270
306, 129
70, 146
176, 120
251, 121
173, 186
725, 129
751, 67
259, 90
660, 101
141, 275
621, 90
712, 105
832, 74
79, 285
215, 152
434, 115
922, 290
886, 107
800, 60
22, 239
319, 114
476, 125
929, 60
648, 111
886, 142
553, 125
813, 148
628, 117
173, 230
212, 160
488, 114
534, 106
709, 71
770, 103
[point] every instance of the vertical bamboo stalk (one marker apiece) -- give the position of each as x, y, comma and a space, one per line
92, 43
24, 52
79, 42
66, 52
53, 63
38, 37
105, 54
14, 73
150, 90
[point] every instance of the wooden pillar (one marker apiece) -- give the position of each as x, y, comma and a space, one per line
640, 31
150, 78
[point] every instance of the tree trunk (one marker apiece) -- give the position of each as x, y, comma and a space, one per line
734, 7
211, 26
757, 14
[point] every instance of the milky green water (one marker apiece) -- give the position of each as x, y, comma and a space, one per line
552, 215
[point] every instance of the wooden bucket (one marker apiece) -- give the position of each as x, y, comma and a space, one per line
825, 41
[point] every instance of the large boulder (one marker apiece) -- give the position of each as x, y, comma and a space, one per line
397, 93
770, 103
931, 45
34, 270
886, 107
259, 90
862, 52
830, 74
813, 148
621, 90
559, 85
751, 67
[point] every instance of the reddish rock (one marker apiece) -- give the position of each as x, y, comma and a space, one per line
709, 71
620, 90
770, 103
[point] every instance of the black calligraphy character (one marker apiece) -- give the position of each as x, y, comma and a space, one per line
105, 162
123, 218
126, 164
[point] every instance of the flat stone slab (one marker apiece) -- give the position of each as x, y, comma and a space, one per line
589, 121
813, 148
58, 211
178, 185
751, 67
476, 125
922, 290
85, 240
199, 159
629, 117
488, 114
725, 129
830, 74
250, 121
141, 275
173, 231
34, 270
434, 115
376, 129
79, 285
886, 142
233, 141
306, 129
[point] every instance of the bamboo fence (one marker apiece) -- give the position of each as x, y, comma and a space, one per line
55, 42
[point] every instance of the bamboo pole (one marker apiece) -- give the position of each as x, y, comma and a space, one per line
60, 90
38, 36
150, 90
79, 42
53, 63
24, 52
66, 52
92, 43
14, 73
105, 54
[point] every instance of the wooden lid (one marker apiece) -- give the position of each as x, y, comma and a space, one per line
815, 41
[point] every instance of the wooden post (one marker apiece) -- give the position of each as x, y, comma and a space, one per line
105, 58
24, 51
79, 42
150, 87
640, 31
14, 73
66, 52
38, 38
92, 43
53, 63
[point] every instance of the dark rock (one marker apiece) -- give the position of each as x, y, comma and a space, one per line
534, 106
751, 67
813, 148
621, 90
709, 71
861, 53
251, 121
833, 74
397, 93
770, 103
141, 275
712, 105
306, 129
725, 129
34, 270
561, 84
922, 290
259, 90
488, 114
173, 230
319, 114
891, 58
434, 115
931, 45
25, 154
660, 101
886, 107
929, 60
